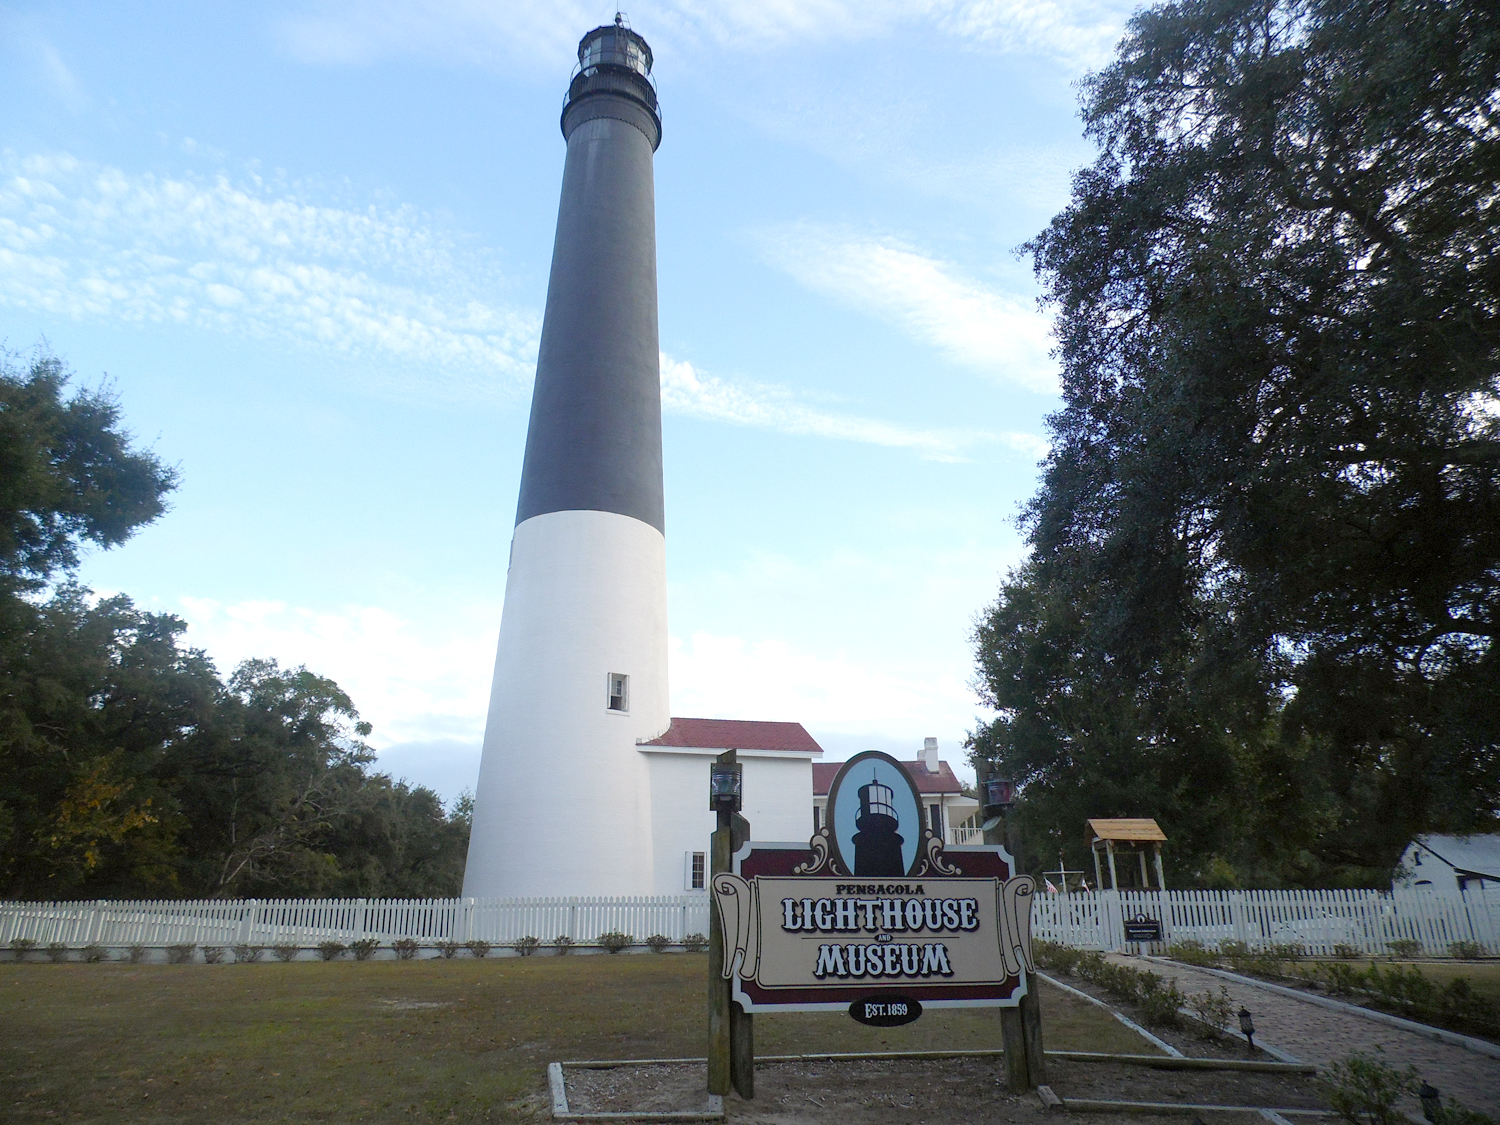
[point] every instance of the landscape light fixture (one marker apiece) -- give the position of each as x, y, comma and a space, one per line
725, 787
1247, 1025
1431, 1099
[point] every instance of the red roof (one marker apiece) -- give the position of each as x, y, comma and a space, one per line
737, 734
941, 782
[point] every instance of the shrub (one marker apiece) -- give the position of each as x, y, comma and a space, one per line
135, 953
1364, 1091
614, 941
364, 948
1055, 955
1214, 1011
1466, 950
285, 952
244, 954
213, 954
478, 948
695, 943
446, 949
180, 954
527, 945
22, 946
561, 944
57, 952
1341, 980
657, 943
1346, 952
93, 953
331, 950
1404, 947
1159, 1002
1191, 952
405, 948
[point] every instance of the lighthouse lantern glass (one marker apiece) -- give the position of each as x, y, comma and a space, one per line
999, 793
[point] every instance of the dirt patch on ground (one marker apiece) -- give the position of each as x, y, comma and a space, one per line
883, 1092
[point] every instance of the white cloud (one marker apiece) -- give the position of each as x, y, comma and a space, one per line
415, 681
686, 390
91, 241
342, 31
975, 326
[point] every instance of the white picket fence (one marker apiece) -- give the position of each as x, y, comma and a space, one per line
1317, 921
307, 922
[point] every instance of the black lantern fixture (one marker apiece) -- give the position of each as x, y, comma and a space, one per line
999, 795
1431, 1099
1247, 1025
725, 787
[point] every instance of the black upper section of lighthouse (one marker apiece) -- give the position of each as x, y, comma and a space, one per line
594, 441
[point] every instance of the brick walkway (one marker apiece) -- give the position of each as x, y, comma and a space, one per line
1320, 1035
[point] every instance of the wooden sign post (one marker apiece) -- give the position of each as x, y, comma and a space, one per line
731, 1030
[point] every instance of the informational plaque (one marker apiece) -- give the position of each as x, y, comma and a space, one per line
874, 915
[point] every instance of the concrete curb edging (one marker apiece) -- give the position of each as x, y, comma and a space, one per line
1155, 1062
1100, 1105
1438, 1034
1162, 1044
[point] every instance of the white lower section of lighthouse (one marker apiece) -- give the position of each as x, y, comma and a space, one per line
564, 796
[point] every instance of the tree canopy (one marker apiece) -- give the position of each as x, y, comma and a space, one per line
127, 766
1264, 586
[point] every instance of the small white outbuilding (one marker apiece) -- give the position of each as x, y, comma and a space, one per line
1462, 866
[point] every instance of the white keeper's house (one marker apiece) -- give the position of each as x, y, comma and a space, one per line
951, 815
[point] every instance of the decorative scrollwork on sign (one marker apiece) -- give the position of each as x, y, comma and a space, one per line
736, 900
936, 859
1015, 924
821, 856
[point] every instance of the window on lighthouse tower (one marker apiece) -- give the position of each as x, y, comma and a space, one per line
619, 692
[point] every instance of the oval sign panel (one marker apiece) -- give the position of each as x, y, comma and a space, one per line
885, 1010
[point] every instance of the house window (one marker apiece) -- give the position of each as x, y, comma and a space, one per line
619, 692
697, 871
935, 813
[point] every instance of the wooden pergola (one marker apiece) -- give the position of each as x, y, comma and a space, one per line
1137, 833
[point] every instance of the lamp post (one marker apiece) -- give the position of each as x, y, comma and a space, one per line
731, 1036
1020, 1027
1247, 1025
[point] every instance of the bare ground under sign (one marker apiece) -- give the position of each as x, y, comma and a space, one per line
882, 1092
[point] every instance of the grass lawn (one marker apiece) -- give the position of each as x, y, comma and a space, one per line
459, 1040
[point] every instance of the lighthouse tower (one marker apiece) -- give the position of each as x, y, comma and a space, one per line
564, 804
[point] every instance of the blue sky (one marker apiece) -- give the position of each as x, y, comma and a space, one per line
308, 245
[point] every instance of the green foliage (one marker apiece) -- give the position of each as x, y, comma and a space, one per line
135, 953
213, 954
1466, 950
285, 952
1260, 600
405, 949
614, 941
658, 943
1158, 1000
247, 954
1364, 1091
1215, 1012
478, 948
57, 952
128, 767
446, 949
364, 948
93, 953
561, 944
331, 950
1404, 947
181, 953
1347, 952
695, 943
527, 945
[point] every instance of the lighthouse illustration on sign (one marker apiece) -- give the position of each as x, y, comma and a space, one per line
877, 844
